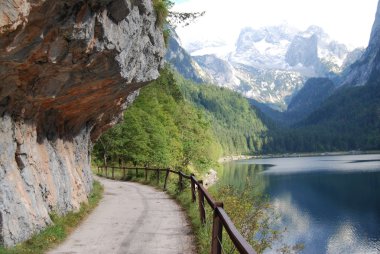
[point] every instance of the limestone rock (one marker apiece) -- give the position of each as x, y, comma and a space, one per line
68, 69
368, 65
303, 51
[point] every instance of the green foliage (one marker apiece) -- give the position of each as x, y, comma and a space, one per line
348, 120
62, 226
160, 129
235, 123
161, 8
254, 217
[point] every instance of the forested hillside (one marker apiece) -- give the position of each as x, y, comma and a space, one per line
175, 122
160, 129
348, 120
236, 124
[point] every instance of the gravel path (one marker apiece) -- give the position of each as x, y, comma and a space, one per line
131, 218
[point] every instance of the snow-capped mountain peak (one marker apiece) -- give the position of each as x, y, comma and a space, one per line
270, 64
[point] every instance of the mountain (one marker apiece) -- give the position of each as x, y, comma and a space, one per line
237, 126
310, 97
359, 90
368, 64
271, 64
349, 119
213, 66
182, 62
303, 51
263, 48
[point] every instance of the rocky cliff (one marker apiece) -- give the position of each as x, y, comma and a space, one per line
67, 71
182, 62
359, 73
271, 64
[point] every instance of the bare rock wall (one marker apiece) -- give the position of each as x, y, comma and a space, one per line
67, 71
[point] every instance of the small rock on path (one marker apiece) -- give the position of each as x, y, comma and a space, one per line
131, 218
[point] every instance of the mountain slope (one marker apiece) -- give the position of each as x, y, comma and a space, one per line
360, 72
271, 64
358, 99
182, 62
310, 97
236, 125
350, 118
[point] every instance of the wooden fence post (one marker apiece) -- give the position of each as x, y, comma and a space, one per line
137, 172
217, 231
106, 171
193, 197
166, 178
180, 184
113, 172
121, 166
201, 203
146, 175
123, 173
158, 176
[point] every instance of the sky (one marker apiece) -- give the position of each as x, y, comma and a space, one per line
347, 21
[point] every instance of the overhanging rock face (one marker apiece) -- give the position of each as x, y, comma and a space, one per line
67, 71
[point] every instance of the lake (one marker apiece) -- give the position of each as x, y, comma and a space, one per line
329, 203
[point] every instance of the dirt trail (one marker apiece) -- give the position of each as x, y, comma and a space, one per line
131, 218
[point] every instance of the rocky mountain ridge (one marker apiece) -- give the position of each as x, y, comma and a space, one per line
271, 64
183, 62
359, 88
368, 64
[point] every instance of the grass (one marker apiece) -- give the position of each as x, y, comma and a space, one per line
60, 229
161, 7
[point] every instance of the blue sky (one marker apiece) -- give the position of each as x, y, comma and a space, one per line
347, 21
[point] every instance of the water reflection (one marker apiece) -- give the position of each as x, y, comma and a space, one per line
325, 202
239, 174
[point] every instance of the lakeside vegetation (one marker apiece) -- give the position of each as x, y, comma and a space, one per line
62, 226
178, 124
250, 211
186, 126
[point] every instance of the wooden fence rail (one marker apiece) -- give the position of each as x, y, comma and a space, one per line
220, 218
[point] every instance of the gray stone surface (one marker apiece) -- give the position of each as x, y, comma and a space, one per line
360, 72
68, 69
303, 51
132, 218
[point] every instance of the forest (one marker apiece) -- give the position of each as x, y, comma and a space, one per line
175, 122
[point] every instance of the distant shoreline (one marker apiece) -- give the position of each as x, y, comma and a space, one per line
291, 155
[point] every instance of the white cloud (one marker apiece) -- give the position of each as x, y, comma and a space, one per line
348, 21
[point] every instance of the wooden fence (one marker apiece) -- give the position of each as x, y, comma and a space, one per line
220, 217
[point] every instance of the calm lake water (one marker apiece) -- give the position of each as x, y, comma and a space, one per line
329, 203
